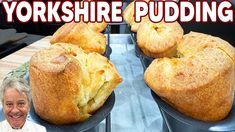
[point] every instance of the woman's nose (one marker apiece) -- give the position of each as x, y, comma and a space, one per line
15, 109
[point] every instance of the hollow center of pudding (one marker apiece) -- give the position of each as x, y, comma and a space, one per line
156, 28
73, 53
159, 28
59, 59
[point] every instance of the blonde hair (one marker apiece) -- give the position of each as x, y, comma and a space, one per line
17, 83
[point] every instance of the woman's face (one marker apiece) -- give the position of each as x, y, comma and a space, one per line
15, 107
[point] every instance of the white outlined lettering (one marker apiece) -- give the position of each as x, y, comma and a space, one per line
141, 10
24, 5
103, 9
116, 11
209, 10
185, 11
99, 11
39, 11
53, 11
198, 11
92, 14
171, 11
157, 14
81, 11
225, 15
185, 8
9, 9
68, 13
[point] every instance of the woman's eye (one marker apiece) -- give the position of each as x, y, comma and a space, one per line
21, 104
9, 105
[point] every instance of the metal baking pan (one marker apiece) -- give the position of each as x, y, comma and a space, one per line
108, 50
88, 125
145, 60
177, 122
134, 39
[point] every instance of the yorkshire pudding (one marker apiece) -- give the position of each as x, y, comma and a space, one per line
97, 26
200, 83
82, 35
69, 85
159, 39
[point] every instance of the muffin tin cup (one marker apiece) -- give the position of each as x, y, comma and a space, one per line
108, 50
177, 122
145, 60
89, 125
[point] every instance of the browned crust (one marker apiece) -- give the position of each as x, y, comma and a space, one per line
82, 35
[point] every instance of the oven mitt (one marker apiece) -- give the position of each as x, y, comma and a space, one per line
10, 35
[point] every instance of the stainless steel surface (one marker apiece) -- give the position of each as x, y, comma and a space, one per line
134, 109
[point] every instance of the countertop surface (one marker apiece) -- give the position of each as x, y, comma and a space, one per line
21, 56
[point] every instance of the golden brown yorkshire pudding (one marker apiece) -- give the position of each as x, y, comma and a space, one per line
69, 85
159, 39
82, 35
200, 84
128, 15
97, 26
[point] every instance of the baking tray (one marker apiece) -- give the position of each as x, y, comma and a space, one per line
176, 121
145, 60
87, 125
